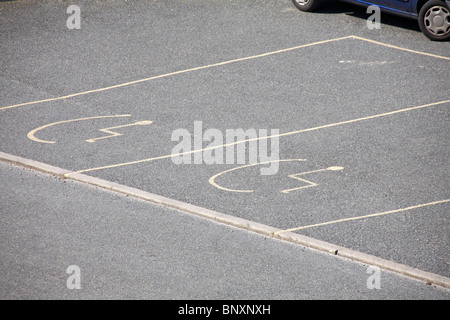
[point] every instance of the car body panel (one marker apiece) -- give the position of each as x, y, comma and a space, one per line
433, 16
403, 8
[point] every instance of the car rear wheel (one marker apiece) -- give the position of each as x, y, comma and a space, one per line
434, 20
306, 5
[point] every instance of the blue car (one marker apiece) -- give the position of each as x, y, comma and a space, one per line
433, 16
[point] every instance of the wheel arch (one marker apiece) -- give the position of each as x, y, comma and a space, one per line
420, 4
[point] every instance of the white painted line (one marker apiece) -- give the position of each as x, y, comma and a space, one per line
125, 84
367, 216
295, 132
237, 222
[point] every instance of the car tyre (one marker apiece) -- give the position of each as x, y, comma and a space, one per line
306, 5
434, 20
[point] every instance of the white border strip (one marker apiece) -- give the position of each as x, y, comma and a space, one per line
429, 278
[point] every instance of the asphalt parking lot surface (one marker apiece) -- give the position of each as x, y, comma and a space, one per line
128, 249
360, 117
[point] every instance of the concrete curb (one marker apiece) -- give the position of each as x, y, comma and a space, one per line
427, 277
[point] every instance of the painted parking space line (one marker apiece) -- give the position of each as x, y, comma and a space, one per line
249, 225
125, 84
330, 125
401, 48
364, 217
218, 64
244, 224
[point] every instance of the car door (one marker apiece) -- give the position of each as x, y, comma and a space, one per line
398, 5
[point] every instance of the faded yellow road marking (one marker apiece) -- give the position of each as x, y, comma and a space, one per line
221, 64
400, 48
363, 217
213, 182
309, 183
175, 73
265, 137
31, 134
115, 134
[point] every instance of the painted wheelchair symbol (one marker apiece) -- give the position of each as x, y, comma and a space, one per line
297, 176
111, 134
